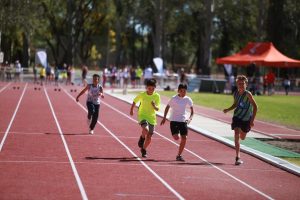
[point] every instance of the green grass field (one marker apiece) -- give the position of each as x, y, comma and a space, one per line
280, 109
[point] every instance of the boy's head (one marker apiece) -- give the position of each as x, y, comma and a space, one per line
182, 87
241, 82
96, 78
150, 86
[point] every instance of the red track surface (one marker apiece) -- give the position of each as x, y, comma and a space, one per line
47, 154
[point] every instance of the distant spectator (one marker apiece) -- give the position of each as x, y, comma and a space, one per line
270, 82
18, 70
133, 77
232, 83
148, 74
84, 71
139, 74
286, 84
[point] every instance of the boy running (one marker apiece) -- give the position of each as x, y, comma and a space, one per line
149, 103
178, 118
244, 114
95, 90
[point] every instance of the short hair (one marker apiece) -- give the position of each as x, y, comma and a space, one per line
151, 82
182, 86
241, 78
96, 75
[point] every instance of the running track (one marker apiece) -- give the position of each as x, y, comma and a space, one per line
46, 153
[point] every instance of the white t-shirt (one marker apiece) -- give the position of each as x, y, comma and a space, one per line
178, 106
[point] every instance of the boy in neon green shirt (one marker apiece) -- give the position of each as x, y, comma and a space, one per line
149, 104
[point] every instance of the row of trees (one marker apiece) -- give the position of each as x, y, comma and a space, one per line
183, 32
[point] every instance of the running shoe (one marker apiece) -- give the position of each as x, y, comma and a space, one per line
238, 161
91, 132
144, 153
141, 142
179, 158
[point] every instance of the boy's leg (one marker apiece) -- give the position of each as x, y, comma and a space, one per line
182, 144
90, 108
237, 141
94, 116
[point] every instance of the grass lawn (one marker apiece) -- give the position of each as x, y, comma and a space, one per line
280, 109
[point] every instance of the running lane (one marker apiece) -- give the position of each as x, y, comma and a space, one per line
33, 161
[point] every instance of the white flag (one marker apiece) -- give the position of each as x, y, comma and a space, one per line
41, 58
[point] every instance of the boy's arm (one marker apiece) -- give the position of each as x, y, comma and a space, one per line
191, 115
255, 108
165, 115
157, 105
233, 106
101, 92
81, 93
131, 109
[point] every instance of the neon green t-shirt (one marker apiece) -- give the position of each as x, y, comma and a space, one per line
146, 110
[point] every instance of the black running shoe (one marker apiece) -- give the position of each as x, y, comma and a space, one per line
144, 153
141, 142
179, 158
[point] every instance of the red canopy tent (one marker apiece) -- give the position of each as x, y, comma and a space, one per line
260, 53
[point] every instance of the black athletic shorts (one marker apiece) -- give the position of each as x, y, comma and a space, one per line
243, 125
178, 128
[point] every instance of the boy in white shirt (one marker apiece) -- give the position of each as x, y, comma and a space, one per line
178, 118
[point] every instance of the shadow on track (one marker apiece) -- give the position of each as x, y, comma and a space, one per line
135, 159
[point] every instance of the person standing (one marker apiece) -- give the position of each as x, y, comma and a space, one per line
245, 109
178, 118
149, 104
95, 91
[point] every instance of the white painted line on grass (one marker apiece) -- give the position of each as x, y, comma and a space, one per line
12, 119
78, 180
132, 153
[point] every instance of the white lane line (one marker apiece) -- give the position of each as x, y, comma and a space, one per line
196, 155
2, 89
78, 180
132, 153
12, 119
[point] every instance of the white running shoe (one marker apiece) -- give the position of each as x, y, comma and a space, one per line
238, 161
91, 132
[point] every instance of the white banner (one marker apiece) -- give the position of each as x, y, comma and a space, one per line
41, 58
228, 68
159, 65
1, 57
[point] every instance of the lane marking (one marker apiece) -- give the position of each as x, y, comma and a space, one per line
144, 195
132, 153
12, 119
2, 89
75, 172
196, 155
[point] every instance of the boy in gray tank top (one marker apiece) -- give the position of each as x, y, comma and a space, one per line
95, 91
245, 109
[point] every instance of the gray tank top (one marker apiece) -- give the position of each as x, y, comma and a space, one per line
93, 94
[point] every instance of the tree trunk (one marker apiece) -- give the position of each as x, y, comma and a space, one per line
159, 18
204, 48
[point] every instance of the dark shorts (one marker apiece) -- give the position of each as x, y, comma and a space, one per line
178, 128
145, 123
243, 125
